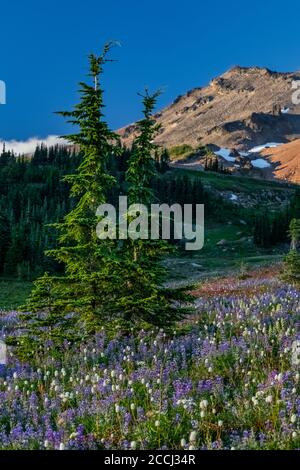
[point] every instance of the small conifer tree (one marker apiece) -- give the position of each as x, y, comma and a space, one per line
291, 273
144, 295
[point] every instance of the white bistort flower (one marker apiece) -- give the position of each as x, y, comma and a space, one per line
193, 436
203, 404
293, 419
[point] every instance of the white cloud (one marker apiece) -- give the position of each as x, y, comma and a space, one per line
28, 146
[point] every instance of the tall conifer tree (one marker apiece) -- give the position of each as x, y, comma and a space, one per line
76, 305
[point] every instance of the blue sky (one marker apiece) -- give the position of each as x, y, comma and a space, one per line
176, 45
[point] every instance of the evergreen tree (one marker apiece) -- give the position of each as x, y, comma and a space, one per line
141, 169
83, 295
143, 296
5, 239
294, 233
262, 230
162, 160
44, 325
291, 272
89, 262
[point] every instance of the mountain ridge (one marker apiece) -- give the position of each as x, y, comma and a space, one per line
241, 108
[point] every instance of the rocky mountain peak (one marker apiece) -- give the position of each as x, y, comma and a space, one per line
243, 107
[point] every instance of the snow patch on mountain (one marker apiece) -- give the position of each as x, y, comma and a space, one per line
259, 148
225, 153
260, 163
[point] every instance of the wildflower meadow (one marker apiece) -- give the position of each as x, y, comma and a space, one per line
224, 378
